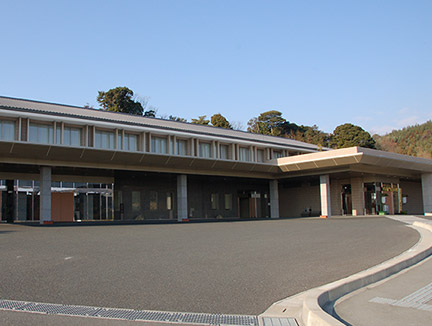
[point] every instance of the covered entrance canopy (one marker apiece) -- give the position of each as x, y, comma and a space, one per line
367, 181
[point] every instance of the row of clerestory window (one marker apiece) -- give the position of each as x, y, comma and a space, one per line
76, 136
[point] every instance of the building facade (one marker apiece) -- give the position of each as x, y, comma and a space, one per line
63, 163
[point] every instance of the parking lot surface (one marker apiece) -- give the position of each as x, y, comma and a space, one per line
223, 267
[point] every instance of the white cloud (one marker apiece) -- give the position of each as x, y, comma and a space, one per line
402, 118
381, 130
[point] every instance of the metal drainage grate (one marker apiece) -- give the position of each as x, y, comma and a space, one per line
276, 321
129, 314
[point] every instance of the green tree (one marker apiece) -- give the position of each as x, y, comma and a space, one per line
218, 120
150, 113
267, 123
120, 99
412, 140
349, 135
174, 118
201, 120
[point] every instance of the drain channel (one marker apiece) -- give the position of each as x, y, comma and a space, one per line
129, 314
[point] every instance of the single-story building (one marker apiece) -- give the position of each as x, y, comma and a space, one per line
67, 163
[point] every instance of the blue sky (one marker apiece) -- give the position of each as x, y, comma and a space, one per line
318, 62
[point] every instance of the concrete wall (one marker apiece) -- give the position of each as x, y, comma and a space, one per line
414, 203
357, 196
295, 197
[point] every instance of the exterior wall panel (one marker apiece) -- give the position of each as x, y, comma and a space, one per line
298, 198
414, 200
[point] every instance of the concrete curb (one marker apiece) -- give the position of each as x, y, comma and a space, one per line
314, 307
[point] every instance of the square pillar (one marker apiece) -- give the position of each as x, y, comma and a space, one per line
45, 195
10, 202
274, 199
357, 196
325, 196
426, 179
182, 211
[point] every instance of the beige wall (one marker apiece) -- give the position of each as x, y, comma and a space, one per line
357, 196
414, 203
293, 201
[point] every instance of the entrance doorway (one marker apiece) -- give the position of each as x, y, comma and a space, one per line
346, 200
370, 199
253, 204
244, 210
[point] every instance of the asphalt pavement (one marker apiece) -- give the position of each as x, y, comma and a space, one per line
402, 299
224, 267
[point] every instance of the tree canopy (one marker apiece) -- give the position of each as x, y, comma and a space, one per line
174, 118
218, 120
201, 120
349, 135
412, 140
120, 99
267, 123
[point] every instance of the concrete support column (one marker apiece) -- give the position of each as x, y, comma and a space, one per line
10, 202
182, 210
427, 193
325, 196
45, 195
357, 196
274, 199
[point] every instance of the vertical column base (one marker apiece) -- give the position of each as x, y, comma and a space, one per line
325, 196
182, 198
45, 195
427, 193
274, 199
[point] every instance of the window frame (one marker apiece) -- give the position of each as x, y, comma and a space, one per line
39, 126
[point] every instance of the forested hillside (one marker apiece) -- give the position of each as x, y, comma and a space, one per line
413, 140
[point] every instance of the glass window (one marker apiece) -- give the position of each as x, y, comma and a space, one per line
136, 202
71, 136
277, 154
159, 145
25, 183
169, 201
66, 136
131, 142
7, 130
104, 139
42, 134
244, 154
58, 135
204, 150
214, 201
228, 201
260, 155
181, 147
153, 200
75, 136
119, 141
223, 152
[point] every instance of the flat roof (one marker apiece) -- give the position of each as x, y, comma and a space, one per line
354, 156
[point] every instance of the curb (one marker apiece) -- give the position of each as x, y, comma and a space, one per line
314, 307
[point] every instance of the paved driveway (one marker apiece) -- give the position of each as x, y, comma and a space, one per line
237, 267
